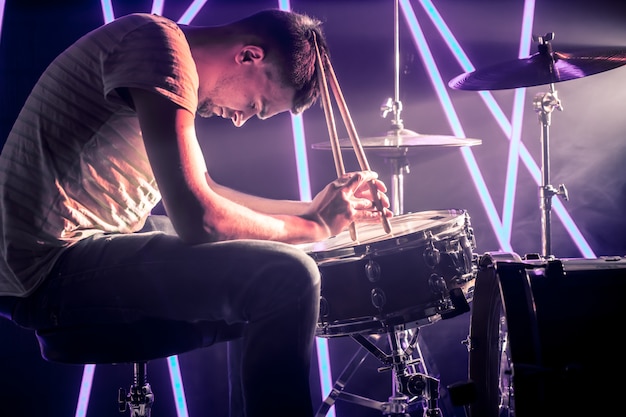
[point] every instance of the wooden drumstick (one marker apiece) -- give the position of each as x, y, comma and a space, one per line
356, 143
332, 128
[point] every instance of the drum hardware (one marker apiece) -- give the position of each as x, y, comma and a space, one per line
419, 275
543, 67
411, 389
423, 272
536, 339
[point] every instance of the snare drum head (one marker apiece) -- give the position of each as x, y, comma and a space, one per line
409, 228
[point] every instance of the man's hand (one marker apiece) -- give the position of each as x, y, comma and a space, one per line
349, 199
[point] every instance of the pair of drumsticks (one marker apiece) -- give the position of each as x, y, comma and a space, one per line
354, 139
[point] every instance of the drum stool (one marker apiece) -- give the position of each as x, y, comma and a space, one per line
136, 343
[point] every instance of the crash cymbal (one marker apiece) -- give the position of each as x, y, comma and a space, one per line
396, 144
543, 67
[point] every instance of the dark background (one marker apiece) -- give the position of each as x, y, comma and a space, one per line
587, 151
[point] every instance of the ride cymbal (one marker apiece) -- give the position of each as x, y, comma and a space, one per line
401, 143
543, 67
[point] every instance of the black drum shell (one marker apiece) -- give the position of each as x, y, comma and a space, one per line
563, 319
405, 278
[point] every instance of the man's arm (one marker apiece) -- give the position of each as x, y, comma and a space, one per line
202, 211
261, 204
198, 212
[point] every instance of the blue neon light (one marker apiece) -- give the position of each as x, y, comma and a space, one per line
107, 11
444, 97
528, 16
177, 386
191, 12
2, 6
284, 5
302, 165
516, 132
157, 7
513, 163
85, 390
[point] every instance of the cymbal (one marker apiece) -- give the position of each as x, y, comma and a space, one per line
396, 144
543, 67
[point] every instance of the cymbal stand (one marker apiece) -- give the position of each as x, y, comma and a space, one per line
399, 163
544, 104
399, 166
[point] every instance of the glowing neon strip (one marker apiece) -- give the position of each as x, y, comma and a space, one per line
191, 12
513, 163
504, 124
302, 165
304, 183
85, 390
440, 88
2, 5
177, 386
508, 206
157, 7
323, 364
107, 11
528, 16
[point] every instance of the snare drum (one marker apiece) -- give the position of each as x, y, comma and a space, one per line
421, 272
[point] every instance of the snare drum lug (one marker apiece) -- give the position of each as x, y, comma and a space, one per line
378, 297
437, 284
372, 271
432, 256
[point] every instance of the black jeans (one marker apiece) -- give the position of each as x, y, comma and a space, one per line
273, 288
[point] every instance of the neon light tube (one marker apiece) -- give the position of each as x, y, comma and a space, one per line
157, 7
85, 390
191, 12
107, 11
2, 6
435, 77
177, 386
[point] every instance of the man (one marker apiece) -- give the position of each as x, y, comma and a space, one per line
108, 132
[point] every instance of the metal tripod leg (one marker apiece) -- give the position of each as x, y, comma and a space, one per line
341, 382
408, 387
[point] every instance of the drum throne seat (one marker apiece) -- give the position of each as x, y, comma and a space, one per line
135, 344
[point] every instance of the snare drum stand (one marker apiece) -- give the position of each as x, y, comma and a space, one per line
409, 387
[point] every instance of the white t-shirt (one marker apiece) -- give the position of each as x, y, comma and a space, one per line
74, 163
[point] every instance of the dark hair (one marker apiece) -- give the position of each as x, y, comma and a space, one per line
288, 40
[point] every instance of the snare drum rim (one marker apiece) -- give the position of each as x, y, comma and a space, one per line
432, 229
